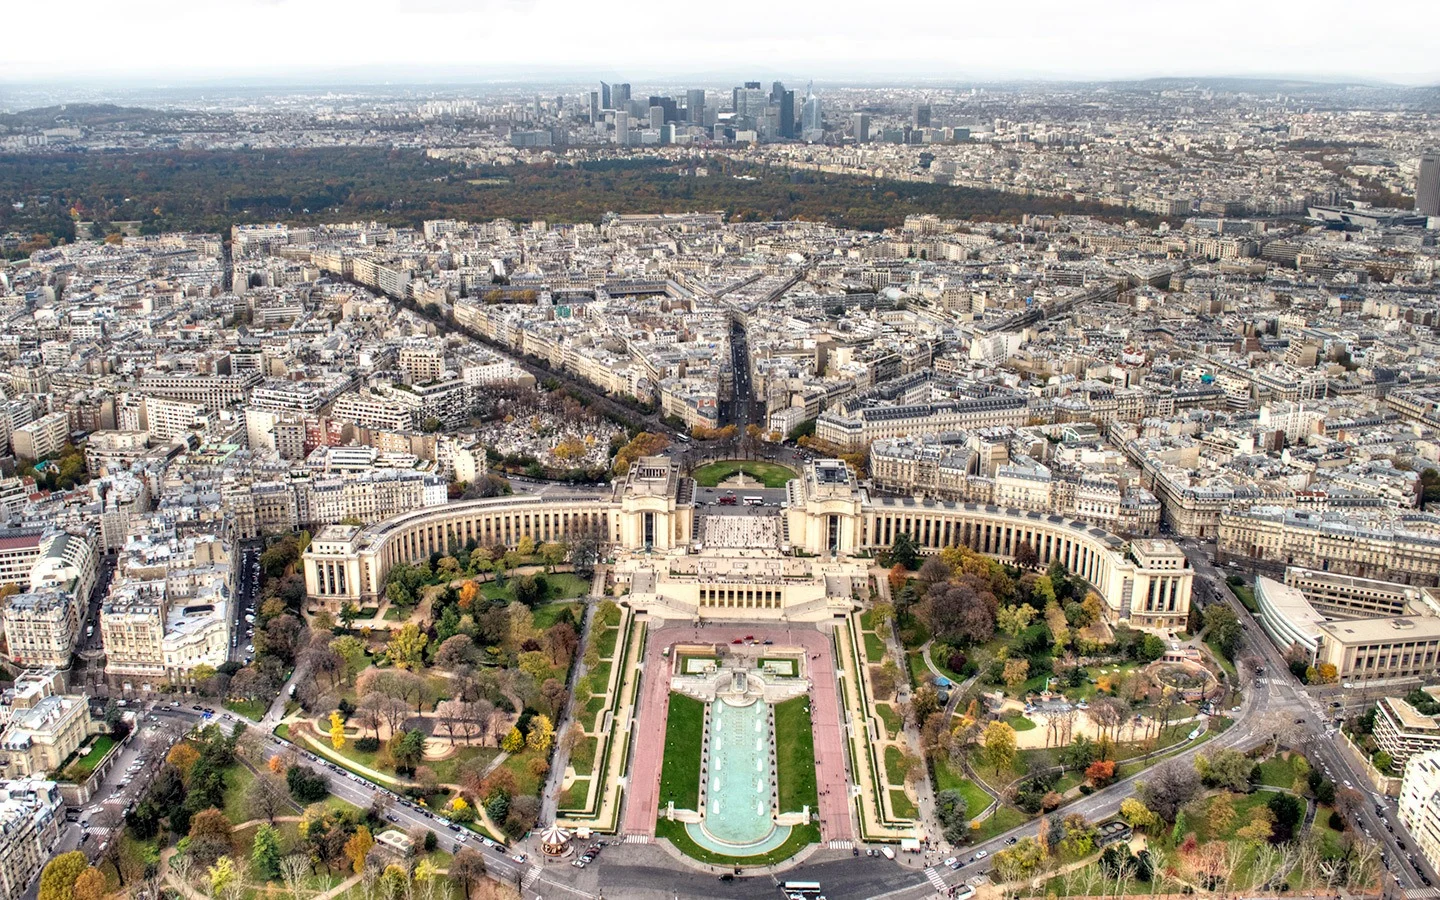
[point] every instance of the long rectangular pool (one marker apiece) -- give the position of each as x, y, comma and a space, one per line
738, 818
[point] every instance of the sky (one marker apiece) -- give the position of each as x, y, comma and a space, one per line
368, 41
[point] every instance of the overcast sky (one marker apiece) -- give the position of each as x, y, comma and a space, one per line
168, 40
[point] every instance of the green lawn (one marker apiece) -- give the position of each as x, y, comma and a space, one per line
592, 710
448, 770
82, 768
680, 772
901, 805
1225, 664
251, 709
1018, 722
1004, 819
582, 755
1245, 594
544, 616
874, 647
558, 586
1278, 772
947, 778
800, 836
772, 475
894, 765
795, 755
237, 780
398, 613
605, 643
889, 716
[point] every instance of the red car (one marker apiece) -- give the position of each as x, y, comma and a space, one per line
737, 641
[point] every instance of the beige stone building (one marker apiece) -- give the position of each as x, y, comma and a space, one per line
801, 561
43, 730
30, 819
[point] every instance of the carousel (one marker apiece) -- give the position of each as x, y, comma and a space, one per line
555, 841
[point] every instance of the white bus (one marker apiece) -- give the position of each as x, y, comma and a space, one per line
754, 501
801, 887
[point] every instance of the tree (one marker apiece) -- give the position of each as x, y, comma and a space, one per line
337, 730
467, 868
1169, 786
1229, 769
1223, 628
293, 871
407, 647
999, 745
1288, 810
455, 652
1101, 772
514, 741
1017, 669
183, 757
265, 852
358, 848
1221, 813
267, 796
210, 823
903, 552
1025, 556
221, 876
541, 734
1014, 619
1137, 815
57, 879
90, 885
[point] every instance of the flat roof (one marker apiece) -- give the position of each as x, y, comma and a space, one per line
1395, 628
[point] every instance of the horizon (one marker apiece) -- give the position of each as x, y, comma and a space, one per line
170, 44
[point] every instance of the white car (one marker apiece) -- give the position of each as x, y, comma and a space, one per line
981, 854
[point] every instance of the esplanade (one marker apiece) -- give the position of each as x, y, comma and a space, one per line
816, 567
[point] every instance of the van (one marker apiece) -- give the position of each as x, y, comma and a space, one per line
887, 852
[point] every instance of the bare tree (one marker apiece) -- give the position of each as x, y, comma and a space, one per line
267, 797
293, 871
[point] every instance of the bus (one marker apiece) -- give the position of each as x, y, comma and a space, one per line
754, 501
801, 888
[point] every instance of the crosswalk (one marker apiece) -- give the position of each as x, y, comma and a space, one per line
638, 839
530, 876
840, 845
935, 880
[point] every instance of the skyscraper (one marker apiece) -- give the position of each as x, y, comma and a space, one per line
657, 116
605, 96
860, 127
695, 106
812, 125
594, 107
620, 93
1427, 185
622, 128
920, 115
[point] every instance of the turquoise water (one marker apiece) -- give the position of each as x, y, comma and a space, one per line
737, 818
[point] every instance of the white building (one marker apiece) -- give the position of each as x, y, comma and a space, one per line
1420, 803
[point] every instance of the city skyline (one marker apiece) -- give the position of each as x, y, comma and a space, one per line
1058, 42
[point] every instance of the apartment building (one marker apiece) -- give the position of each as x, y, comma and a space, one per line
1403, 731
30, 820
46, 436
41, 627
1420, 803
852, 431
19, 548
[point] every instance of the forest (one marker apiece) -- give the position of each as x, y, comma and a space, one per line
211, 190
